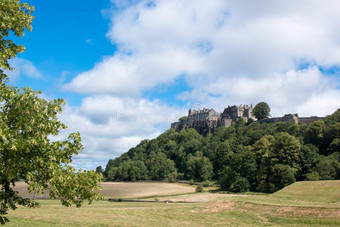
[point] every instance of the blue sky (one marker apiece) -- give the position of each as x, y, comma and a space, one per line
68, 38
127, 69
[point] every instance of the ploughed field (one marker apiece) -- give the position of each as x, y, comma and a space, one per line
300, 204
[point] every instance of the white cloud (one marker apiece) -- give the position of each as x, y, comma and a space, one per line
110, 126
321, 104
23, 67
129, 75
290, 92
211, 40
230, 52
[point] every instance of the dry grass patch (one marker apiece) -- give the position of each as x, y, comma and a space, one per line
309, 211
218, 206
121, 189
21, 187
198, 197
142, 189
290, 211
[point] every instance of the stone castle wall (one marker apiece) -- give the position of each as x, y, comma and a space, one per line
293, 118
207, 120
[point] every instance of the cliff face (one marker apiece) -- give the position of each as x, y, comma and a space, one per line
207, 120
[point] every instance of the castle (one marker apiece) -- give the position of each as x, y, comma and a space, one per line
207, 120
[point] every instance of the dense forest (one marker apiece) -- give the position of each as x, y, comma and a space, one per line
245, 156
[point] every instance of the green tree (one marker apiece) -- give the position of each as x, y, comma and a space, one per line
138, 171
279, 161
199, 167
333, 118
240, 184
332, 138
114, 163
262, 147
224, 133
123, 171
26, 151
219, 154
128, 170
244, 163
281, 176
27, 123
314, 134
261, 110
286, 149
309, 157
15, 17
160, 167
328, 168
99, 169
112, 173
226, 178
313, 176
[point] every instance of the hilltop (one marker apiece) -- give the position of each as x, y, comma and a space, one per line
244, 156
208, 120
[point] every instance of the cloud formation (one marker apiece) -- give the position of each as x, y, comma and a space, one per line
229, 52
23, 67
228, 41
110, 126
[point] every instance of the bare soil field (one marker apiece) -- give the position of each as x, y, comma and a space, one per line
122, 189
142, 189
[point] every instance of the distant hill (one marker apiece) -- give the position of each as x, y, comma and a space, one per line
318, 191
246, 156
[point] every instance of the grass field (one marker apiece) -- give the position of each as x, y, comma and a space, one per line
284, 208
320, 191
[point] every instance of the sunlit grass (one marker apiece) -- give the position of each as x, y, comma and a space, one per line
317, 191
223, 210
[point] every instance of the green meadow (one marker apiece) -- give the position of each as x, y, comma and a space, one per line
300, 204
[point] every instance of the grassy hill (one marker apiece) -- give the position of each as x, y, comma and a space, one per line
318, 191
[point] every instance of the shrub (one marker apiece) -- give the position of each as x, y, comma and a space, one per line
206, 183
240, 185
313, 176
172, 177
199, 188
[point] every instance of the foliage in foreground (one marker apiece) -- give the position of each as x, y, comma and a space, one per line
27, 122
255, 157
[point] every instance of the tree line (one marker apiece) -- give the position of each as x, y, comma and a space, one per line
245, 156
